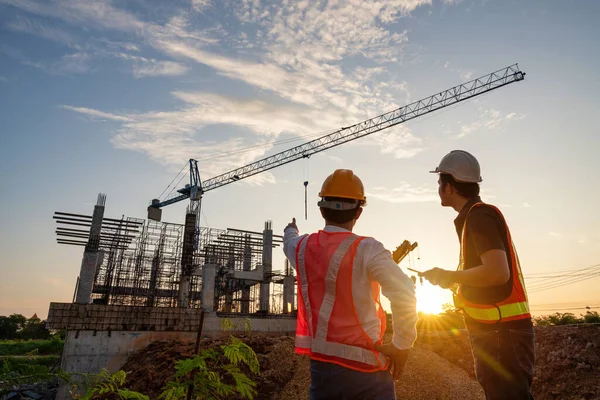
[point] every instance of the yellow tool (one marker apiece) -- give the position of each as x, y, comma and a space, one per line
402, 251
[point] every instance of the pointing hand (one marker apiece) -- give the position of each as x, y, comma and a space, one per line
292, 224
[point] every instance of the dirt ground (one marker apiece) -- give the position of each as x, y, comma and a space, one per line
285, 375
567, 359
440, 366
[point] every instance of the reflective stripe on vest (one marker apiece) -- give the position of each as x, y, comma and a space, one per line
341, 350
515, 306
317, 341
304, 282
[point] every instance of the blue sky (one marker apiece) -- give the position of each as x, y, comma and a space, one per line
115, 96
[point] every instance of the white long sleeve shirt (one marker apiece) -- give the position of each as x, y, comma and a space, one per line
374, 263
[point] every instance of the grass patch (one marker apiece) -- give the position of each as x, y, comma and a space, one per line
21, 348
24, 366
47, 361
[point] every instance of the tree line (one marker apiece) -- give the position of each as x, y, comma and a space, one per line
17, 326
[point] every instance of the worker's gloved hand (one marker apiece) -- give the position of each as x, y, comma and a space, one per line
292, 224
397, 358
439, 277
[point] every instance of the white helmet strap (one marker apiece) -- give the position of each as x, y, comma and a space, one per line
338, 205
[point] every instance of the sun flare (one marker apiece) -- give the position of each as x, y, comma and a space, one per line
429, 299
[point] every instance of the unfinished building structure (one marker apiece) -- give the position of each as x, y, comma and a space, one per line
135, 262
146, 280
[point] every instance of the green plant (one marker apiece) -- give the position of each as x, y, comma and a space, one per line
208, 377
231, 325
557, 319
21, 348
591, 317
110, 383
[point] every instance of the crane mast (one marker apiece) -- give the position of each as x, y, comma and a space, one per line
448, 97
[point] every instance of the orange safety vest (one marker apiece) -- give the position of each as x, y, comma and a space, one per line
328, 328
515, 306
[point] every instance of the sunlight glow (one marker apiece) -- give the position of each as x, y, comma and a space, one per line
429, 299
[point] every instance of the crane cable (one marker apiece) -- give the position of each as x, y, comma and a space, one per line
177, 184
182, 168
306, 176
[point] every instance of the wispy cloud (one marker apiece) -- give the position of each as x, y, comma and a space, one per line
169, 137
73, 63
405, 193
201, 5
466, 75
33, 27
3, 79
294, 52
98, 114
400, 142
143, 67
526, 205
554, 234
488, 119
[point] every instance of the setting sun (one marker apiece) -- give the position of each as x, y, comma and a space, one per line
429, 299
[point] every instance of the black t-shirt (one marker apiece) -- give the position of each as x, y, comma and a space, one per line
486, 230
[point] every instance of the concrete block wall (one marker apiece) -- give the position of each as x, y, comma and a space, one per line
99, 317
103, 336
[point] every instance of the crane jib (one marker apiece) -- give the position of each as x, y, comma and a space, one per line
413, 110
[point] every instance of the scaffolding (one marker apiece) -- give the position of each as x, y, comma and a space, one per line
140, 264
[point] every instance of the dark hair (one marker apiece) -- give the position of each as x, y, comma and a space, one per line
464, 189
340, 216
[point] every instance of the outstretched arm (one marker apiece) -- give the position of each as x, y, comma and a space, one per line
290, 241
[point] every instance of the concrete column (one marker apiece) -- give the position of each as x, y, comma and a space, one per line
209, 273
187, 259
89, 262
246, 266
288, 294
267, 262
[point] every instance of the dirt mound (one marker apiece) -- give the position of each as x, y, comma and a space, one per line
568, 361
439, 367
286, 376
149, 370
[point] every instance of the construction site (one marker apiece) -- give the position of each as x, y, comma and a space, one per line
149, 289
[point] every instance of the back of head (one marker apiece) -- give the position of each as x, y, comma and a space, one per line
342, 195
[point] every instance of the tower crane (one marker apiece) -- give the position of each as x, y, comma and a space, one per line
196, 188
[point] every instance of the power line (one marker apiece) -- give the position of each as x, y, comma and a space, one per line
553, 285
546, 281
542, 274
566, 309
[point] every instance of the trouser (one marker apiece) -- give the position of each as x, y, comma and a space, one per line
333, 382
504, 362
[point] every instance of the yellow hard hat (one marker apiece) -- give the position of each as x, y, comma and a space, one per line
343, 184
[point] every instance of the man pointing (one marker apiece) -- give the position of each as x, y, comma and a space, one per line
340, 321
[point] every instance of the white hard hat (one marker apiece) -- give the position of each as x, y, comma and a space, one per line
463, 166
